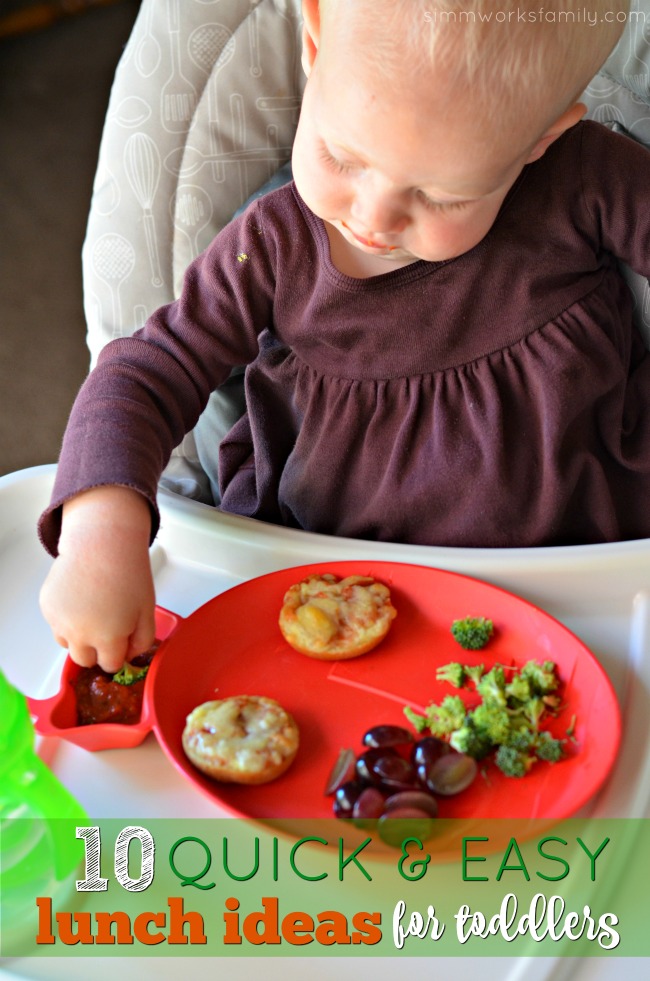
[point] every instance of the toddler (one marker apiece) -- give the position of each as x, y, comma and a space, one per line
439, 344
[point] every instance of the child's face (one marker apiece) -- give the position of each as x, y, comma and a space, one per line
397, 171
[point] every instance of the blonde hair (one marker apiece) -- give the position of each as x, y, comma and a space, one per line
507, 55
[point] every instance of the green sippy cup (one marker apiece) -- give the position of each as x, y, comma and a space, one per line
39, 851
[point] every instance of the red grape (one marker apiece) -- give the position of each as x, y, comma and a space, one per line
387, 735
384, 767
428, 749
419, 799
450, 774
369, 804
346, 797
342, 771
404, 822
395, 780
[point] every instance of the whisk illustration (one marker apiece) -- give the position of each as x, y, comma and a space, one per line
608, 113
142, 165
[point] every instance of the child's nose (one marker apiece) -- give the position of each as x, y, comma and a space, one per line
378, 210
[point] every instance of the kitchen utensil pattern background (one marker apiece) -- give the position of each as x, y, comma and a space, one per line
202, 112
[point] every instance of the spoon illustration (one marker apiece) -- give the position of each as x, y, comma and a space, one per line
148, 54
192, 213
187, 161
254, 40
211, 47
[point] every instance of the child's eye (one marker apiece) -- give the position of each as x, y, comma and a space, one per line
339, 166
440, 205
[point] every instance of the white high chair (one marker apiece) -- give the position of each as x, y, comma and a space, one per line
202, 114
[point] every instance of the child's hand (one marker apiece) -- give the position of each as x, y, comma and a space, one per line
99, 596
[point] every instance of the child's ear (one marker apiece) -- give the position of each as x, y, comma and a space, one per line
310, 34
564, 122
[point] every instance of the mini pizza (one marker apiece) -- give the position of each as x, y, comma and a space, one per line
244, 739
330, 618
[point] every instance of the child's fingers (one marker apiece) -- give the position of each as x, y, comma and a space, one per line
82, 654
127, 643
142, 637
111, 655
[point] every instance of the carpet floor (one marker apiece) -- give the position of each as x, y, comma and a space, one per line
54, 89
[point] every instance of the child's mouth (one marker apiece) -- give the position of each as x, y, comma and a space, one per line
368, 242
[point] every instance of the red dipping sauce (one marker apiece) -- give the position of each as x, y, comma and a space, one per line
100, 699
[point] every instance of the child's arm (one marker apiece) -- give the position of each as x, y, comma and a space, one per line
619, 200
146, 391
99, 596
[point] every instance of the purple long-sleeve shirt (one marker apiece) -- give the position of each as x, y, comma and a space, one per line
500, 398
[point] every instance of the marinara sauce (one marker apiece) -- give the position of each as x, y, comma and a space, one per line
100, 699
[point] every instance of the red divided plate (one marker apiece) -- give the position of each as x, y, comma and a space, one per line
233, 646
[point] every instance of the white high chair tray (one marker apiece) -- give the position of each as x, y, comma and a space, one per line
602, 593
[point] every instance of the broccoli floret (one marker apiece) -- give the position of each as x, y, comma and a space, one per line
128, 675
533, 710
419, 722
454, 673
506, 723
493, 720
519, 688
548, 748
474, 672
521, 739
445, 718
492, 685
472, 740
542, 677
512, 762
472, 633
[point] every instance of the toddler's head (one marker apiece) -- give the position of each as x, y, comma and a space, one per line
419, 115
